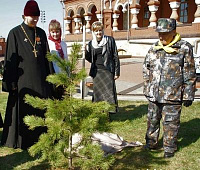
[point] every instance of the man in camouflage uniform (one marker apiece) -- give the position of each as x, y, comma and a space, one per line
169, 81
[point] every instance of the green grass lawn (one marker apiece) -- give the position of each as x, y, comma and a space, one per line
130, 123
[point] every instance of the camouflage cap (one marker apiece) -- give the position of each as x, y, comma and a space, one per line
165, 25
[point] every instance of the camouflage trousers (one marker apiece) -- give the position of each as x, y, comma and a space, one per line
170, 115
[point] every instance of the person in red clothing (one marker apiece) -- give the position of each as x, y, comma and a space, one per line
56, 45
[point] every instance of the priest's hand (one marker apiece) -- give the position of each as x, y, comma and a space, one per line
13, 86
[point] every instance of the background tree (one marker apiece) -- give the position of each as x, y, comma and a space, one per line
68, 117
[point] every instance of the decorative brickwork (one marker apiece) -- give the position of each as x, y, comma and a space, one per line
113, 21
2, 46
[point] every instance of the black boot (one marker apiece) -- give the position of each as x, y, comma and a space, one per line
149, 147
168, 155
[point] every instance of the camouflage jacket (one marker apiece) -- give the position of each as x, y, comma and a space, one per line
170, 77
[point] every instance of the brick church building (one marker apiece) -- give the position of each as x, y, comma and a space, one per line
2, 46
131, 22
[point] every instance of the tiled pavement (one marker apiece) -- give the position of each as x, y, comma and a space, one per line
130, 84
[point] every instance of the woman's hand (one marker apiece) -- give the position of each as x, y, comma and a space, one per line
116, 77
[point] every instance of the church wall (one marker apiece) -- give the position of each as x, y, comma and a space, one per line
2, 47
164, 10
137, 41
192, 9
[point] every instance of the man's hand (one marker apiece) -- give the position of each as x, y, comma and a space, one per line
187, 103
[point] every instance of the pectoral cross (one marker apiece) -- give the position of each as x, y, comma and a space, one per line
35, 52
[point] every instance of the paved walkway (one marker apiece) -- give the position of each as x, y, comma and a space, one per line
130, 84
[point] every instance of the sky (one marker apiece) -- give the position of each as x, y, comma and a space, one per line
12, 11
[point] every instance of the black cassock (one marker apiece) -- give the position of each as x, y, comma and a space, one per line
28, 74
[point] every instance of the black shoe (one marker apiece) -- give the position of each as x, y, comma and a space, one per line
109, 115
168, 155
148, 147
112, 112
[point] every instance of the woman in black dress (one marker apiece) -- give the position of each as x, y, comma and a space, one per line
105, 65
25, 72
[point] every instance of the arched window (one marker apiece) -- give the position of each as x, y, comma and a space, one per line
146, 12
72, 24
82, 12
183, 11
121, 18
94, 16
126, 18
146, 15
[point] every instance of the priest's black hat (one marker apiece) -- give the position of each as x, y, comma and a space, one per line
31, 8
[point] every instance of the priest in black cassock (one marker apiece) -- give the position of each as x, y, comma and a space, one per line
26, 69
